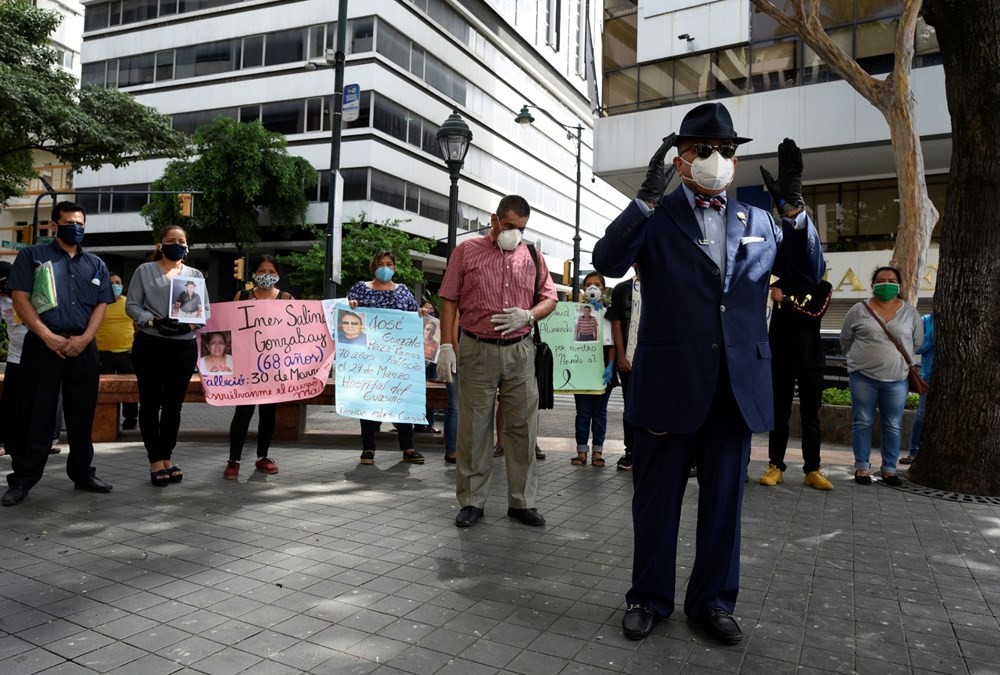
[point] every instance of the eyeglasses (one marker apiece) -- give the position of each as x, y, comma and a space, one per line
704, 150
350, 323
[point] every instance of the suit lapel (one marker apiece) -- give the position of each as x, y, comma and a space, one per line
735, 228
679, 210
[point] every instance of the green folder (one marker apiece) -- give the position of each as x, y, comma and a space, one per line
43, 291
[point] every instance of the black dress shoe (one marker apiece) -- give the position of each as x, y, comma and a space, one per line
527, 516
15, 495
129, 425
539, 454
93, 484
721, 625
449, 459
638, 622
468, 516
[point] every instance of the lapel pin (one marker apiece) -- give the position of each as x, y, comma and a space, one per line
743, 217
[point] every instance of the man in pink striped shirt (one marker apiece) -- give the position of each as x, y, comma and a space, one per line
490, 283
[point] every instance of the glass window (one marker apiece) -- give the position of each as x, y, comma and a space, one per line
429, 142
693, 78
417, 61
253, 51
115, 13
138, 10
619, 40
387, 189
317, 42
283, 117
364, 114
813, 67
875, 45
731, 72
91, 203
129, 203
165, 66
773, 65
361, 34
836, 13
412, 198
331, 35
167, 7
355, 184
444, 79
656, 84
286, 46
190, 122
413, 134
206, 59
763, 27
135, 70
312, 191
878, 9
450, 20
249, 113
314, 114
621, 90
390, 118
393, 45
93, 74
111, 73
434, 206
96, 17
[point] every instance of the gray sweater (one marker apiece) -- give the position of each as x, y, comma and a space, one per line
149, 297
868, 349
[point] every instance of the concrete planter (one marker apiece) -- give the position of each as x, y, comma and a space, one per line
835, 425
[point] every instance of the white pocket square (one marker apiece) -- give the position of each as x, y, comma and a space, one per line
750, 240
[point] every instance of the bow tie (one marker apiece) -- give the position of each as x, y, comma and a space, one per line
718, 202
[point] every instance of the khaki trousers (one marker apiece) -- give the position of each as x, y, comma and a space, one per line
483, 369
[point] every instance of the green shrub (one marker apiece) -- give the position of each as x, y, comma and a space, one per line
843, 397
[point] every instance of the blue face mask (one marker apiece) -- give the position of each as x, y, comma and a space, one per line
117, 288
384, 273
174, 252
71, 233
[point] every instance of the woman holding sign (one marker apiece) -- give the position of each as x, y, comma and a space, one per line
163, 353
265, 279
382, 293
592, 409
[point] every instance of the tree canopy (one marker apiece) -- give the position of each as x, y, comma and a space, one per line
362, 240
42, 109
244, 175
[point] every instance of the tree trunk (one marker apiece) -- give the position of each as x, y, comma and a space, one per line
917, 215
960, 449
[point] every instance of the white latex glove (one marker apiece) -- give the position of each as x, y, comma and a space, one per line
510, 320
447, 363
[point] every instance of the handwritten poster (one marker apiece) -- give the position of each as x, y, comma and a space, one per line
264, 351
575, 334
380, 363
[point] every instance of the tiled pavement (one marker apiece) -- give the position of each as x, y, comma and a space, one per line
331, 567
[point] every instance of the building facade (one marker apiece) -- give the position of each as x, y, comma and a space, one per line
660, 59
415, 61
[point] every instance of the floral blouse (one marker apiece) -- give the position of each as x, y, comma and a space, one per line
397, 298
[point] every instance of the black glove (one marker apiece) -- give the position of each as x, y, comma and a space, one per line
657, 177
788, 188
171, 327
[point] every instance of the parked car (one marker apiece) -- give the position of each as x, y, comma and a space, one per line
835, 367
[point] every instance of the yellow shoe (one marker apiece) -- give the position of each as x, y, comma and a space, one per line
817, 480
772, 476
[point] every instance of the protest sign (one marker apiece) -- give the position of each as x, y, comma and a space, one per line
266, 351
575, 334
380, 363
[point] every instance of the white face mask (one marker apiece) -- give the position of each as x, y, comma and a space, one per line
509, 239
713, 173
593, 293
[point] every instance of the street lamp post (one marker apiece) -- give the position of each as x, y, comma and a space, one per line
454, 137
524, 118
336, 59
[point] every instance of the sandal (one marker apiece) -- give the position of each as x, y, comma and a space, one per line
579, 460
413, 457
862, 478
367, 456
597, 460
175, 473
159, 478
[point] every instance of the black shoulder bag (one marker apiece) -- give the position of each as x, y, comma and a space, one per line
543, 355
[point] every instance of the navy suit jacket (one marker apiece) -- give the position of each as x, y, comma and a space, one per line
691, 318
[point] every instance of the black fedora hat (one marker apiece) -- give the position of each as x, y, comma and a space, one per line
710, 120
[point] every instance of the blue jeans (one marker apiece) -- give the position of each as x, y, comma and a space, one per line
592, 414
918, 426
890, 397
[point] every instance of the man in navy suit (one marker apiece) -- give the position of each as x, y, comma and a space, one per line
701, 376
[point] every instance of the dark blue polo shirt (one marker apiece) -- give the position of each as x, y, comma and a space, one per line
82, 283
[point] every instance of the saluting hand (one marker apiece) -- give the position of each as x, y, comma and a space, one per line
657, 175
788, 187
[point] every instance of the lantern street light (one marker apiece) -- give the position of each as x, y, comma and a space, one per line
454, 137
525, 119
